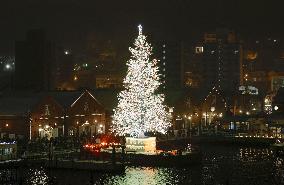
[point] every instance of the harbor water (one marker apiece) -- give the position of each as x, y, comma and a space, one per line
221, 165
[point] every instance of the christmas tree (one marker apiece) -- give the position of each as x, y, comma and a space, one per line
140, 109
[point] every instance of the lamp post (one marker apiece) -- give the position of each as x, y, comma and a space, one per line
212, 116
189, 118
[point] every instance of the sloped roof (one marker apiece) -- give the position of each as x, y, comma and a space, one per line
64, 98
21, 103
18, 104
108, 98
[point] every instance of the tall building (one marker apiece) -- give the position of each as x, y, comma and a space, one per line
170, 64
7, 69
171, 59
263, 65
34, 59
219, 61
64, 70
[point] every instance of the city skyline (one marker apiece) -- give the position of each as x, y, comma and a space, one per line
197, 98
74, 25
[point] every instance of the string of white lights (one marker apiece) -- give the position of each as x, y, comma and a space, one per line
217, 87
140, 109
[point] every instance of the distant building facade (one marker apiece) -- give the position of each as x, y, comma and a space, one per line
56, 114
109, 81
170, 64
214, 67
47, 118
34, 59
220, 63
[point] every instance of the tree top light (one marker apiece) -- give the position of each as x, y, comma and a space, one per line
140, 29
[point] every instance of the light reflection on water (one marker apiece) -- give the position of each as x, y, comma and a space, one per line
220, 166
151, 176
37, 177
237, 166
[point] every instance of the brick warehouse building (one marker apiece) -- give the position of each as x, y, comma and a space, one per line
58, 113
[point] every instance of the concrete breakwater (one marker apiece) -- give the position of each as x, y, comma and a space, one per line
232, 140
220, 140
91, 165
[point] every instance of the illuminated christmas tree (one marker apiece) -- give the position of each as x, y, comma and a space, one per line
140, 109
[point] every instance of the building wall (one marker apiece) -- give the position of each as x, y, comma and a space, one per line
86, 115
221, 62
170, 64
14, 125
55, 114
33, 61
109, 81
215, 61
47, 114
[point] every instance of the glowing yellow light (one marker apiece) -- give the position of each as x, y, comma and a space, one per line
141, 145
75, 78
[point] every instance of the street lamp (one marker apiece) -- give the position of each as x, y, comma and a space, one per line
205, 115
276, 107
211, 115
189, 118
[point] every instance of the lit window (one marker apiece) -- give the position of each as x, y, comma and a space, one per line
75, 78
198, 50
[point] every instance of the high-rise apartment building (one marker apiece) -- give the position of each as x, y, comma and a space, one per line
170, 64
34, 59
218, 62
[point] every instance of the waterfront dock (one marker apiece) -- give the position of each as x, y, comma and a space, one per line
90, 165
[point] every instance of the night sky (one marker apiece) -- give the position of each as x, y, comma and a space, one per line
74, 23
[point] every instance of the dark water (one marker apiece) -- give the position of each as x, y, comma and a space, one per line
221, 165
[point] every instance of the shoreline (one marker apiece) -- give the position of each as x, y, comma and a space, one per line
220, 140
